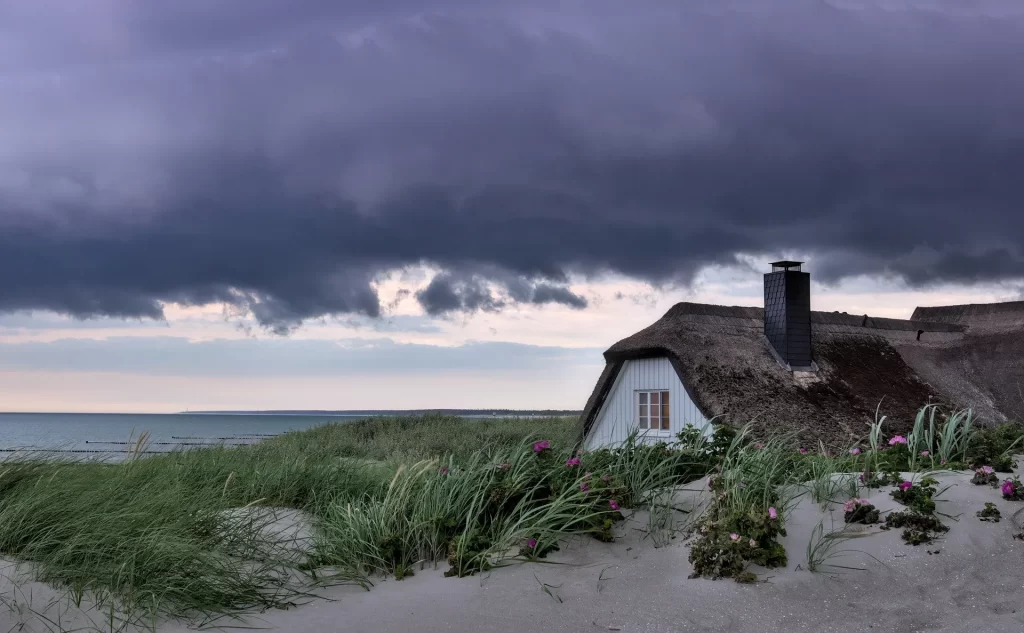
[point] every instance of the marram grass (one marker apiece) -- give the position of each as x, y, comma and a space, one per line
387, 496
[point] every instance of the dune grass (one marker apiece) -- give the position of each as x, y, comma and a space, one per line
501, 504
413, 438
154, 534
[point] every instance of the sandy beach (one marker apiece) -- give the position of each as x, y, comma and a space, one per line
969, 580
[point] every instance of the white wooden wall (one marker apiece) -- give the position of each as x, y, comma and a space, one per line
618, 416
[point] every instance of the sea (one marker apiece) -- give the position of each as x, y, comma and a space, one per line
111, 435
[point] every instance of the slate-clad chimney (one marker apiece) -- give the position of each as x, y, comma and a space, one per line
787, 313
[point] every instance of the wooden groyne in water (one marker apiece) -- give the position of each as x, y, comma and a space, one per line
76, 450
234, 440
211, 443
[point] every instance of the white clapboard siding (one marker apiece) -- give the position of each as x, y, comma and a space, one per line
618, 416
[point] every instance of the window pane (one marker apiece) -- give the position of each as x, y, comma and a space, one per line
643, 416
664, 417
654, 397
655, 414
664, 397
643, 398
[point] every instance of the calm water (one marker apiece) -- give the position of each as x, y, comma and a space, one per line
106, 435
102, 433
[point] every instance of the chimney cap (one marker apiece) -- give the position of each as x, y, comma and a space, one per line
785, 265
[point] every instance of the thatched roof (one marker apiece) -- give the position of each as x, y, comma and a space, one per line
990, 356
727, 367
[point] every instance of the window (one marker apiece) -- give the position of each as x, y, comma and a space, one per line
653, 410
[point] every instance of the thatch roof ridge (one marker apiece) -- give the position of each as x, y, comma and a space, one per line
1004, 314
724, 361
686, 308
704, 315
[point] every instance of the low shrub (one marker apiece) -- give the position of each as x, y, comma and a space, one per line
860, 511
917, 528
990, 513
1012, 489
728, 544
993, 446
744, 519
918, 498
946, 439
985, 476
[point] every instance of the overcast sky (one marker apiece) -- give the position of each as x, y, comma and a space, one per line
461, 203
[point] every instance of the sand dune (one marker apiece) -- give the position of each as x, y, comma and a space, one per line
970, 580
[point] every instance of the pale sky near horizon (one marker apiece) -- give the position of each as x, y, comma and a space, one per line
530, 357
454, 203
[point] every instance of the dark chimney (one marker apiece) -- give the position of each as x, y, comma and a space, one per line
787, 313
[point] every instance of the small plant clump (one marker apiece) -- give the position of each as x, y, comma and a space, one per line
993, 446
728, 544
744, 520
917, 528
990, 513
918, 498
860, 511
1004, 464
1012, 490
985, 475
880, 480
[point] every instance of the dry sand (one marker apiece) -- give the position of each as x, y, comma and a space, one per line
975, 583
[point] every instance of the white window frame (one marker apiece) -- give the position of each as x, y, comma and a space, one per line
642, 398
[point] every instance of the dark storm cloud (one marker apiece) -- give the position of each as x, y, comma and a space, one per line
470, 293
278, 157
546, 293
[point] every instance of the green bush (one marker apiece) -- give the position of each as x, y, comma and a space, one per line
993, 447
917, 497
744, 520
860, 511
990, 513
917, 528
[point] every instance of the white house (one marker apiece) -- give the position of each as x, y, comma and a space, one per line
646, 395
820, 375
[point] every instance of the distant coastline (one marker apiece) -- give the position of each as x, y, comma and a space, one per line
396, 412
